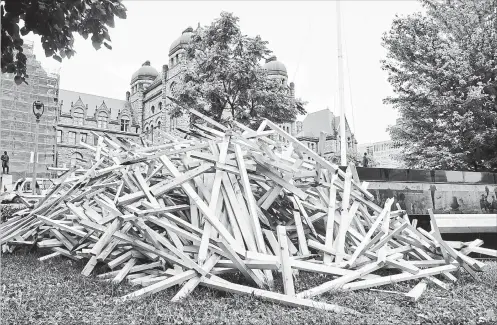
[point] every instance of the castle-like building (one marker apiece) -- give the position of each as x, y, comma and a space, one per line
146, 111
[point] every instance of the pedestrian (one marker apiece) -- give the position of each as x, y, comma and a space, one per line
5, 163
365, 160
494, 204
483, 203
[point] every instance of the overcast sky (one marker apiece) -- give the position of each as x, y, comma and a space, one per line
302, 34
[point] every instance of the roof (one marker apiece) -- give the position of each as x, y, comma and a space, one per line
315, 122
146, 70
275, 67
323, 120
93, 102
184, 39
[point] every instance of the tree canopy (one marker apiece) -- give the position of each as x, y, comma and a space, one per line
55, 21
224, 78
443, 69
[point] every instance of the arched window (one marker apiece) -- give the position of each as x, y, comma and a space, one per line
152, 133
102, 120
78, 116
160, 106
125, 124
146, 132
153, 109
75, 157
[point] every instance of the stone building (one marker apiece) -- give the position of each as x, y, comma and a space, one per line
384, 154
82, 117
18, 123
325, 121
150, 90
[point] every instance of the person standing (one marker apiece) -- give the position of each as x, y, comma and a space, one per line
365, 160
483, 203
494, 204
5, 162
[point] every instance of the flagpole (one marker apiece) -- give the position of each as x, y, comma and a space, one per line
341, 99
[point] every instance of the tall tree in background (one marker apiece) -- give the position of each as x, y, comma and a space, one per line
55, 21
224, 78
443, 69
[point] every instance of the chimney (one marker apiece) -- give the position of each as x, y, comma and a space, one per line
165, 68
127, 96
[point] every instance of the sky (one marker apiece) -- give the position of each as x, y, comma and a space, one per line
302, 34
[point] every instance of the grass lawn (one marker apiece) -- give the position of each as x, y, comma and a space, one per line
54, 292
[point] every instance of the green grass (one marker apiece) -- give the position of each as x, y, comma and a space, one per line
54, 292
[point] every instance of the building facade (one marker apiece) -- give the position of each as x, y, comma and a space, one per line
73, 119
146, 112
18, 123
325, 121
384, 154
82, 118
151, 89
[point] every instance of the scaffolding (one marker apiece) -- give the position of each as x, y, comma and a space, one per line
18, 123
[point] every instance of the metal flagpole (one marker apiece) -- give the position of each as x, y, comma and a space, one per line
341, 96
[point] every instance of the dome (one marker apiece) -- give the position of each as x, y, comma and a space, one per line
184, 39
146, 71
275, 67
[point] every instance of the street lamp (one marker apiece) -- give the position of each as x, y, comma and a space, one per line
38, 110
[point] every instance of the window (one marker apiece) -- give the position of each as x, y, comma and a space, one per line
147, 133
75, 157
124, 124
72, 138
95, 140
152, 132
59, 136
78, 116
160, 106
84, 137
153, 109
102, 120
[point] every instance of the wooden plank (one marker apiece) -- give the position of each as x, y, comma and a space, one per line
217, 283
341, 281
345, 217
286, 267
398, 278
323, 162
248, 273
213, 205
159, 286
252, 205
300, 230
370, 232
208, 213
415, 293
194, 282
124, 271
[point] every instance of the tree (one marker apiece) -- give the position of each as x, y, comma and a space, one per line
224, 79
55, 21
443, 69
